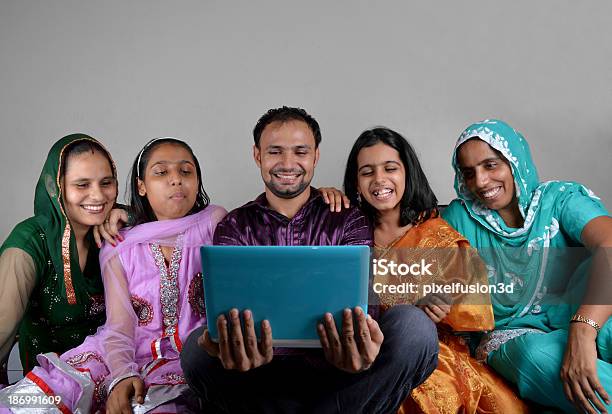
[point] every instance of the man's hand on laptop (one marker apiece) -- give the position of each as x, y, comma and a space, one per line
352, 351
238, 350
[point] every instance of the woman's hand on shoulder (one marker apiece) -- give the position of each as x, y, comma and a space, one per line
335, 198
120, 399
109, 230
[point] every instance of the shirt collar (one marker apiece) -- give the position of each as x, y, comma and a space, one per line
262, 202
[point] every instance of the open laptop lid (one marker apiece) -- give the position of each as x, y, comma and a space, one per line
291, 286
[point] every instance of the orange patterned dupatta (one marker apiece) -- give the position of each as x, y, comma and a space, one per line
460, 383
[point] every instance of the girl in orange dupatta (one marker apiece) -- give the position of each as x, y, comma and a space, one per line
384, 176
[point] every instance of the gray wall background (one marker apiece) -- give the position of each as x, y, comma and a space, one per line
128, 71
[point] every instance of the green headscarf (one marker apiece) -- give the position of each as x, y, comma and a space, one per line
53, 226
554, 213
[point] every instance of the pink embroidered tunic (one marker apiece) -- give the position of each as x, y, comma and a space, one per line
151, 307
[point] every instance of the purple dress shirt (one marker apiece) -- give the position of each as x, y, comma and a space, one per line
256, 224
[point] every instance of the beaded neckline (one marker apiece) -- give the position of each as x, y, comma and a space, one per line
169, 289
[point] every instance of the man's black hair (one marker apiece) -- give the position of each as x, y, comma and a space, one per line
286, 114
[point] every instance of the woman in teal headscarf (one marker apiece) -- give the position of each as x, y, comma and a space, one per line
528, 233
51, 290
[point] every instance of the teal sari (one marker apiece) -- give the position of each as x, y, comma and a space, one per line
542, 260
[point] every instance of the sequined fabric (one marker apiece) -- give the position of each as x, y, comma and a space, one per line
143, 310
174, 378
97, 306
82, 358
493, 340
196, 295
168, 285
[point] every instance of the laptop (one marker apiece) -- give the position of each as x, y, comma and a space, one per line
291, 286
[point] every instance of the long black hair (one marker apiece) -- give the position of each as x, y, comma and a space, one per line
418, 202
140, 208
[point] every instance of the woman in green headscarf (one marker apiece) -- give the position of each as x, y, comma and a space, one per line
528, 233
51, 291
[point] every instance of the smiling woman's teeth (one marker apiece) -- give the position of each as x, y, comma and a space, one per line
382, 193
490, 193
95, 209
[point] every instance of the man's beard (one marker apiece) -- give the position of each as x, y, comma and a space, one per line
284, 191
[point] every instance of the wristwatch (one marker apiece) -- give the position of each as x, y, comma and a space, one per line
579, 318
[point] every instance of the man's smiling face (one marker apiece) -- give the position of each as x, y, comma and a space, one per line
287, 156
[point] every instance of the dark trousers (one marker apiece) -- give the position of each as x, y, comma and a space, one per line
294, 384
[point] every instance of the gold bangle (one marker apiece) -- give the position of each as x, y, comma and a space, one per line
579, 318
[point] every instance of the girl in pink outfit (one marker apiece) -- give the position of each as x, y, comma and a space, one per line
154, 299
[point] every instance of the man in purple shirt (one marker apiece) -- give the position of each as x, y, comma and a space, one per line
371, 367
